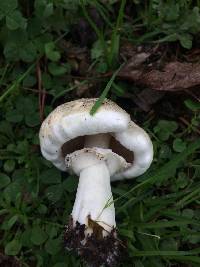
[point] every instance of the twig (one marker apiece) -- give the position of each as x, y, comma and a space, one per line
42, 94
183, 120
34, 90
193, 95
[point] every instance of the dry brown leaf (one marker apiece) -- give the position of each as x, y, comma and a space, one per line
174, 76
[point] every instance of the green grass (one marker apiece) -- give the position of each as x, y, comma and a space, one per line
157, 214
104, 93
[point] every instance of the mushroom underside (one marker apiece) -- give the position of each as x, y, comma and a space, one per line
78, 143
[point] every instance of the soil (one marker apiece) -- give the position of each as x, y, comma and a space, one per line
9, 261
95, 249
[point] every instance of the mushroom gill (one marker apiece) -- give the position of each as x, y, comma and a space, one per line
78, 143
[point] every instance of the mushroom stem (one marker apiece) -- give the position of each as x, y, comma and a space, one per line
91, 231
97, 140
92, 197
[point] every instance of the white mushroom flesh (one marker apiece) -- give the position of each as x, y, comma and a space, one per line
94, 200
93, 194
97, 140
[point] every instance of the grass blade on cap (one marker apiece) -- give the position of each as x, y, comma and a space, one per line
105, 92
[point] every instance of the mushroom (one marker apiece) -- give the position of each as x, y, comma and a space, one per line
99, 148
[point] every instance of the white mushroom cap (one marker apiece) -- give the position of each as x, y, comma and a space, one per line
136, 140
72, 120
